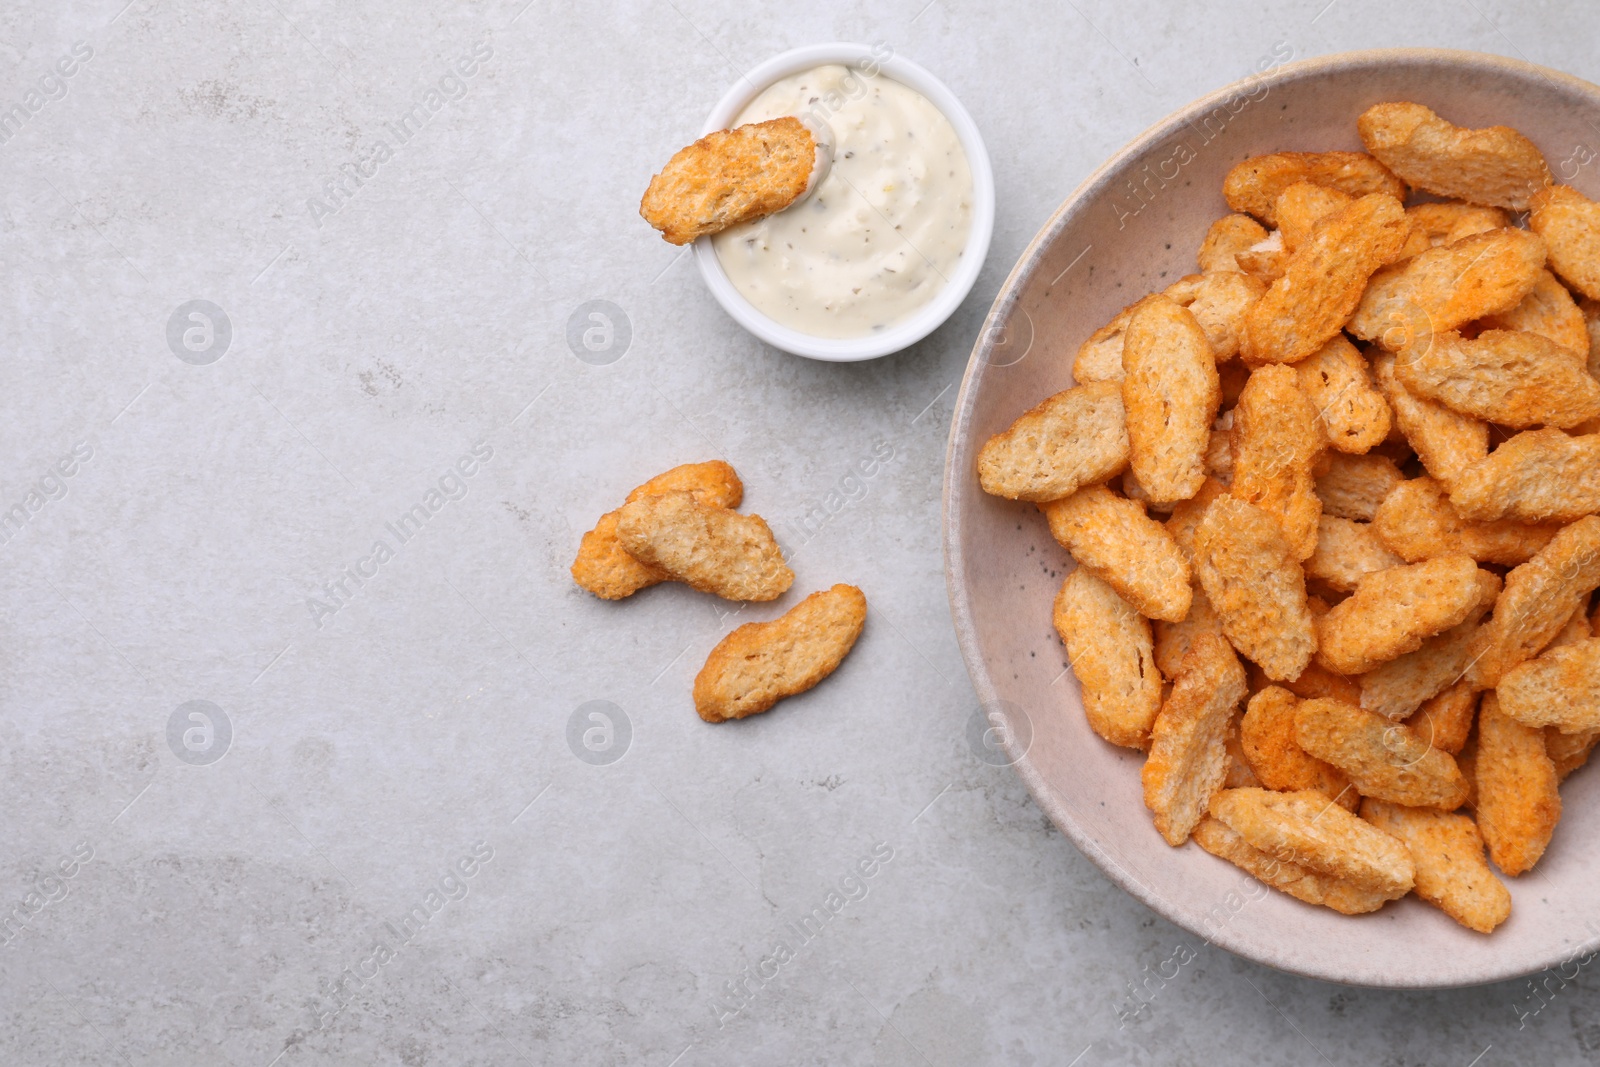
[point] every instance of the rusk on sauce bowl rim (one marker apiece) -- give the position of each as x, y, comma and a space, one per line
1131, 228
927, 318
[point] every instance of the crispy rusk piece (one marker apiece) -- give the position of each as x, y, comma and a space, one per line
1561, 688
1225, 239
713, 483
1537, 476
1323, 283
1397, 688
1549, 311
1447, 442
1219, 302
1302, 883
1518, 799
1447, 850
729, 177
760, 663
1569, 751
1445, 720
1253, 580
1110, 649
605, 569
1351, 413
1507, 377
1099, 358
1186, 516
1570, 223
1353, 487
1173, 639
1266, 733
1346, 553
1393, 611
1440, 224
1445, 287
1275, 446
1171, 392
1496, 166
1381, 758
1417, 521
711, 549
1300, 206
1266, 260
1077, 437
1254, 186
1308, 829
1539, 597
1219, 457
1124, 548
1188, 760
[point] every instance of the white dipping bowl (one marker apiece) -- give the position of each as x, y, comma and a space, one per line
932, 314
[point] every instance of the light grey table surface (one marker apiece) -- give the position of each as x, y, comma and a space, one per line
170, 907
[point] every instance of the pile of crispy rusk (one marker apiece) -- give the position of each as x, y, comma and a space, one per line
1352, 638
681, 526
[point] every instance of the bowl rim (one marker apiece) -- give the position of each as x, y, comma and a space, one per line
956, 489
931, 315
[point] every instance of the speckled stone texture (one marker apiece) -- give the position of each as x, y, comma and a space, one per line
440, 807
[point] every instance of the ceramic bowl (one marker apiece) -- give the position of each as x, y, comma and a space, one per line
932, 314
1132, 227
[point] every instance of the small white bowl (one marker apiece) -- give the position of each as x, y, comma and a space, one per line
933, 313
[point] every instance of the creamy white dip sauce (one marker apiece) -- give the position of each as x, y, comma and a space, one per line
883, 230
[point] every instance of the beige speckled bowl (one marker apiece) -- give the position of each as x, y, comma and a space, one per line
1133, 227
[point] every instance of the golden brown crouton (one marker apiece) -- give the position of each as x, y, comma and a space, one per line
1394, 611
1188, 760
1124, 548
760, 663
1381, 758
1253, 580
711, 549
603, 566
1447, 850
1496, 166
1110, 649
729, 177
1302, 883
1075, 438
1324, 280
1254, 185
1570, 223
1308, 829
1518, 799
